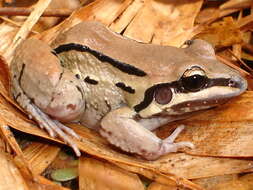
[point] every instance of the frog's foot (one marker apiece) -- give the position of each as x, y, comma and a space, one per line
55, 128
168, 144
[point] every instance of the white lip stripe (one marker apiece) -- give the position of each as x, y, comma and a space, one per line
205, 94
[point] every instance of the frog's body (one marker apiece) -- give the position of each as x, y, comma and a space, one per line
118, 86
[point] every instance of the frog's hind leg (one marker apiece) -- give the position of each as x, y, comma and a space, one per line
45, 90
120, 129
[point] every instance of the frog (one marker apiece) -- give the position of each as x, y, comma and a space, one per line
119, 87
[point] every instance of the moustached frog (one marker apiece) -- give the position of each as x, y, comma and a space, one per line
122, 88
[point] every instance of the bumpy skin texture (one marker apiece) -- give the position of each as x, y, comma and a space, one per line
56, 87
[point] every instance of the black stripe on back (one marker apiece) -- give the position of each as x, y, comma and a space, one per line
90, 81
125, 88
124, 67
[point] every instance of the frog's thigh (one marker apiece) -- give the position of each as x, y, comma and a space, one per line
122, 130
37, 70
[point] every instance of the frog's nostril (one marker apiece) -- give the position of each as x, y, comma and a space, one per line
238, 82
232, 83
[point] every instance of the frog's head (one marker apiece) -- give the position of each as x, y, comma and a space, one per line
200, 82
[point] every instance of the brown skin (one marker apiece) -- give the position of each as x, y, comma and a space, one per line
58, 87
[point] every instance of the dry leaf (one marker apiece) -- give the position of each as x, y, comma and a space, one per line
233, 185
105, 11
40, 155
127, 16
210, 182
247, 179
222, 33
97, 175
44, 184
7, 33
164, 22
10, 175
158, 186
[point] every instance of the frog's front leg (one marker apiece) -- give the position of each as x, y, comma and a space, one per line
120, 128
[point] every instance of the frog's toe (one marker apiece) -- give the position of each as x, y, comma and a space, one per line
168, 144
173, 147
55, 128
59, 129
43, 120
67, 129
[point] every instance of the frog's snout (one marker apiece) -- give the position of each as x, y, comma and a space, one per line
238, 82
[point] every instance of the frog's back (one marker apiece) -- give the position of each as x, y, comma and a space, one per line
149, 58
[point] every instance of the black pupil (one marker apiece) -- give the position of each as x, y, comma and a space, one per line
194, 83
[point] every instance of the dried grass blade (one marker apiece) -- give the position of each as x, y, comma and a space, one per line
104, 11
39, 8
235, 4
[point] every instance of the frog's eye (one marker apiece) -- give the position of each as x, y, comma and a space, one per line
194, 79
163, 95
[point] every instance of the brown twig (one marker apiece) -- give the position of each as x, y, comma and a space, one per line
23, 11
228, 62
240, 61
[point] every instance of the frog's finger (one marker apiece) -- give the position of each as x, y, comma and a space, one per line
60, 133
184, 144
175, 133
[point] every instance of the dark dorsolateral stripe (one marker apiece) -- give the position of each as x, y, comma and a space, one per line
126, 68
125, 88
